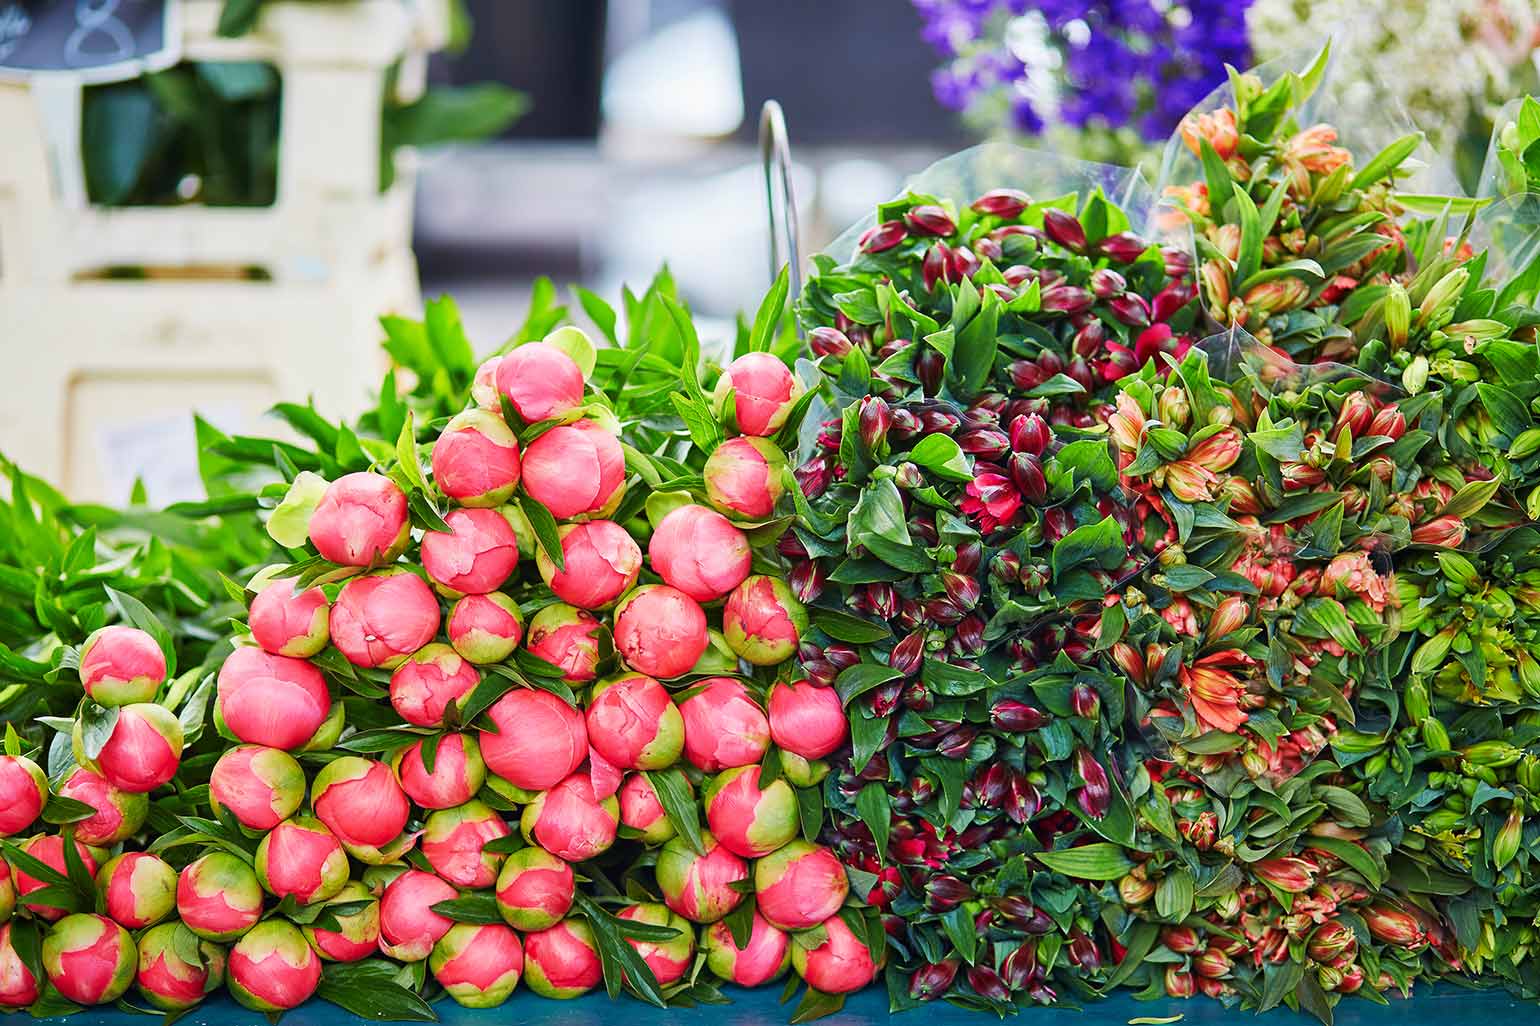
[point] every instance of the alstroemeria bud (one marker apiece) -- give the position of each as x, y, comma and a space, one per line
987, 983
1067, 299
1005, 566
1177, 260
965, 263
1090, 339
988, 443
934, 978
1447, 531
929, 367
1171, 299
1083, 952
1085, 701
882, 237
908, 654
1006, 203
873, 421
961, 589
970, 633
1439, 303
1135, 890
1395, 926
929, 219
1095, 798
1179, 982
1130, 309
1506, 844
881, 600
1212, 964
813, 477
1280, 295
1288, 873
1016, 717
1356, 414
935, 267
1065, 229
1107, 283
807, 580
1183, 940
1398, 315
826, 341
1332, 940
1218, 452
1124, 247
1389, 422
1173, 408
943, 892
1027, 476
1022, 800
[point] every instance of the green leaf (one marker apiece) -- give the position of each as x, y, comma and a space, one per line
1097, 861
289, 523
406, 453
376, 999
598, 311
96, 726
237, 17
861, 678
575, 342
1174, 895
137, 614
472, 908
1101, 543
770, 311
1252, 236
679, 805
620, 961
843, 626
1386, 161
872, 807
942, 456
544, 525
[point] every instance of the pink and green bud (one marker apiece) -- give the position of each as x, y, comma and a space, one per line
763, 389
802, 772
360, 801
600, 563
539, 740
49, 850
168, 978
1395, 926
534, 889
301, 858
763, 621
806, 720
7, 892
800, 885
121, 665
119, 813
484, 385
633, 723
540, 381
570, 822
485, 628
575, 469
766, 956
567, 637
478, 964
23, 793
408, 925
743, 477
144, 750
136, 889
1288, 873
361, 520
840, 965
89, 959
261, 787
660, 631
219, 897
723, 726
431, 680
669, 960
749, 820
358, 933
272, 968
18, 987
454, 842
289, 624
380, 619
1331, 941
698, 551
476, 459
271, 700
641, 811
476, 555
458, 772
562, 961
700, 886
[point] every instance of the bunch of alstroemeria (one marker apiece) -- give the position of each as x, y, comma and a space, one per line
1047, 303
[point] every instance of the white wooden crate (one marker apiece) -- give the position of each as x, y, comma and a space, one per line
103, 373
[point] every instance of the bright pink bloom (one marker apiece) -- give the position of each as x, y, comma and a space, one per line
301, 857
807, 720
476, 557
800, 885
764, 391
723, 726
271, 700
380, 619
261, 787
120, 665
562, 962
992, 501
408, 925
766, 956
660, 631
574, 469
601, 560
700, 887
453, 839
540, 381
539, 740
762, 621
119, 814
476, 459
137, 889
23, 793
49, 850
361, 520
700, 552
287, 624
534, 889
743, 477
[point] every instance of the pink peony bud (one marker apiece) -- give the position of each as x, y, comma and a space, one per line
89, 959
300, 857
358, 936
119, 814
121, 665
641, 810
806, 720
723, 726
408, 925
484, 386
478, 964
49, 850
485, 628
563, 961
743, 477
167, 978
218, 897
287, 624
136, 889
144, 750
458, 772
476, 459
539, 740
569, 638
766, 956
575, 469
429, 682
601, 562
700, 887
840, 965
453, 842
699, 551
633, 722
23, 793
476, 557
669, 960
380, 619
18, 986
261, 787
660, 631
800, 885
272, 968
763, 621
540, 381
749, 820
360, 801
361, 520
764, 391
570, 822
534, 889
271, 700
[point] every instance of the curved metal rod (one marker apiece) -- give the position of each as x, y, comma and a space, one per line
775, 154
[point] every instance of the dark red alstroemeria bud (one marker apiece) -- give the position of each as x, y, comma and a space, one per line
1005, 292
1019, 968
940, 422
992, 784
917, 696
873, 421
1179, 982
957, 741
807, 580
881, 237
1171, 299
970, 633
1006, 203
908, 476
1388, 421
1020, 914
1079, 371
1124, 247
937, 266
1025, 374
1005, 566
1022, 800
964, 263
813, 477
962, 589
909, 654
826, 341
1065, 229
819, 672
1069, 299
929, 219
967, 558
987, 443
1030, 434
884, 699
986, 248
1095, 798
1178, 261
942, 611
1090, 340
1027, 476
988, 983
841, 655
929, 367
934, 979
1083, 952
1085, 701
1107, 283
1016, 717
1130, 309
1183, 940
881, 600
1057, 522
790, 546
945, 891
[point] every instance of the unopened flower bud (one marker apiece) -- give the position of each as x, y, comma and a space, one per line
826, 341
1067, 299
1173, 408
1006, 203
1131, 309
1124, 247
1085, 701
1027, 476
1015, 717
1179, 982
936, 266
1398, 315
1030, 434
987, 443
1135, 890
882, 237
1065, 229
929, 219
1183, 940
935, 978
1107, 283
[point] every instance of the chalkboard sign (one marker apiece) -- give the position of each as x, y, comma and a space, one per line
93, 40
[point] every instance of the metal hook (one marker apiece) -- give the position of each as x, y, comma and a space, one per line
775, 154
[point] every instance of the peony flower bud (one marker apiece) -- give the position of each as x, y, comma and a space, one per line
766, 956
409, 928
144, 749
136, 889
700, 887
454, 842
535, 889
484, 386
633, 722
380, 619
575, 469
539, 739
167, 978
763, 621
840, 965
49, 850
218, 897
261, 787
458, 772
661, 631
806, 720
800, 885
764, 391
360, 801
724, 726
119, 814
570, 821
424, 687
301, 858
698, 551
540, 381
743, 477
361, 520
121, 665
601, 560
641, 810
749, 820
562, 961
569, 638
23, 793
89, 959
476, 459
484, 629
478, 964
476, 555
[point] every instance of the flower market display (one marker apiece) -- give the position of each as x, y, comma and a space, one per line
1092, 599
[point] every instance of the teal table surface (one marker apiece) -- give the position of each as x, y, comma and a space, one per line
1441, 1006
